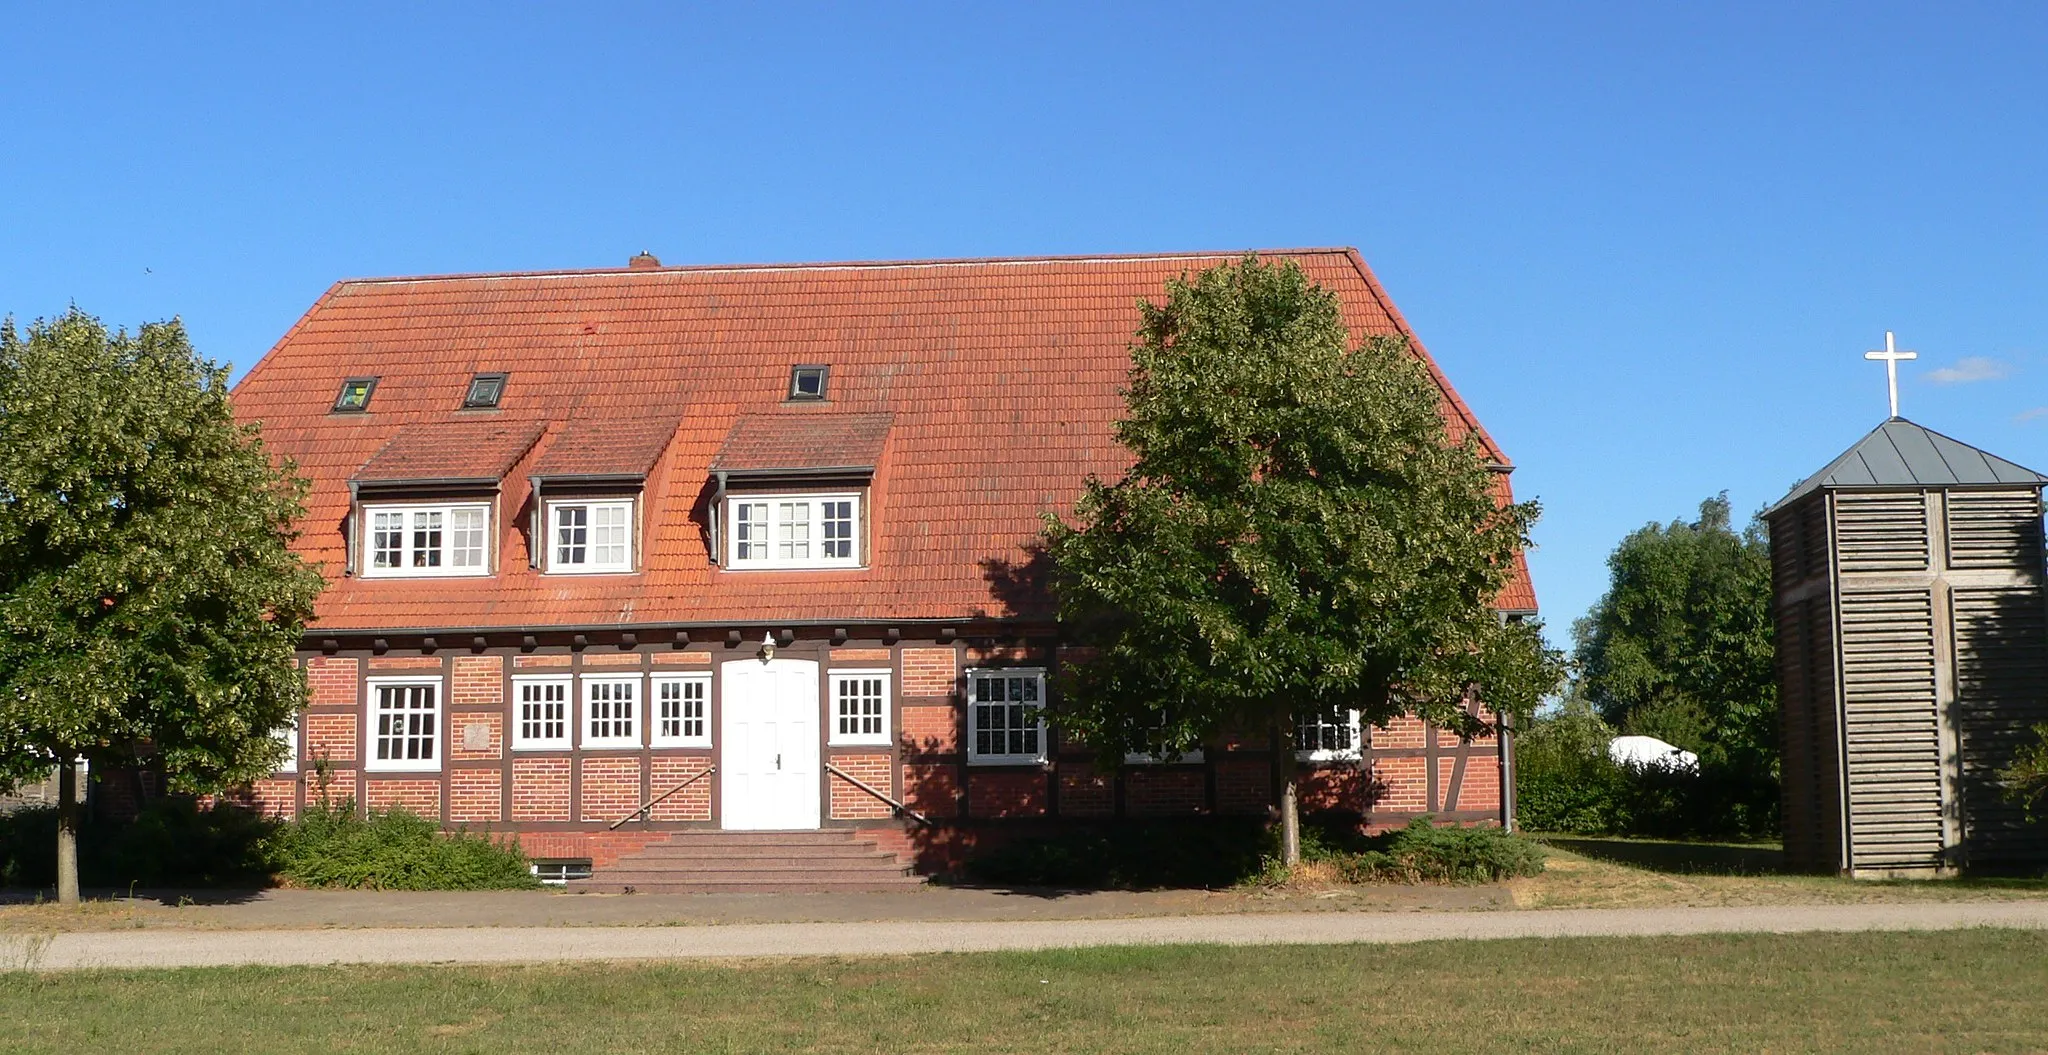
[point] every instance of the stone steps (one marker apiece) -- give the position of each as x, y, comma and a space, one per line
830, 860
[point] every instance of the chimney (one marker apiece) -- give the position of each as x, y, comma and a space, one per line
644, 261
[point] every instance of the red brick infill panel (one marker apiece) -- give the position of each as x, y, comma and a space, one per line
331, 735
929, 672
611, 659
610, 788
1009, 794
1086, 793
931, 730
540, 789
478, 681
682, 659
477, 734
475, 796
420, 796
932, 789
1150, 792
378, 663
850, 802
690, 804
332, 681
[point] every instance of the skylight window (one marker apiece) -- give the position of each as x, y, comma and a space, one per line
484, 390
354, 397
807, 382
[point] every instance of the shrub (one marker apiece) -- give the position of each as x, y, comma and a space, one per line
173, 842
332, 846
1565, 782
1131, 855
1425, 853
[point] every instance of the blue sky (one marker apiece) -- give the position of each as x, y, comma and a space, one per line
1649, 242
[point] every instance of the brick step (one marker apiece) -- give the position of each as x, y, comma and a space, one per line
767, 883
636, 876
760, 862
692, 852
824, 837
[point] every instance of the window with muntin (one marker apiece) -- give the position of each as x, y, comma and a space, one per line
415, 540
794, 531
682, 710
590, 536
541, 716
405, 724
1006, 716
1327, 737
860, 706
611, 711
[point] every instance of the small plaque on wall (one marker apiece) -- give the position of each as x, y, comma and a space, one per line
476, 736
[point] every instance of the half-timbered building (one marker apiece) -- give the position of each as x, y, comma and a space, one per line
620, 557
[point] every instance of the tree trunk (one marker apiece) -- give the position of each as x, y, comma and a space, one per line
67, 833
1289, 803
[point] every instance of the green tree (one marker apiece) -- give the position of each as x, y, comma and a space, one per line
1680, 646
150, 604
1297, 536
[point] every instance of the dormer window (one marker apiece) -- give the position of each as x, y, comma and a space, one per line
590, 537
794, 531
808, 382
416, 540
484, 390
354, 397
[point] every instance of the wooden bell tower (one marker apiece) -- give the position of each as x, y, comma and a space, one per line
1912, 655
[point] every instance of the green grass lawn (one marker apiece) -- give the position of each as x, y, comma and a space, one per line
1960, 991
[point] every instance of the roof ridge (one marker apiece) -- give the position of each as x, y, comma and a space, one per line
849, 265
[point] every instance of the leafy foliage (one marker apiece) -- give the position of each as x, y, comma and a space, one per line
2026, 780
1296, 535
1565, 782
1681, 648
331, 845
149, 605
173, 843
1424, 852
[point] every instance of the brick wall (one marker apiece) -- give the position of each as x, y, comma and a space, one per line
275, 797
931, 730
414, 664
1243, 786
540, 662
330, 735
929, 672
610, 788
932, 789
682, 659
420, 796
850, 802
476, 796
1403, 784
602, 849
1086, 793
476, 735
690, 804
1008, 794
332, 681
478, 681
862, 655
1157, 792
540, 789
611, 659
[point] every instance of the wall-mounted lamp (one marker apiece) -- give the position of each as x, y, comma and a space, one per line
767, 646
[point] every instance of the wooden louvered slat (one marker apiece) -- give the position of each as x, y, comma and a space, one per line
1995, 529
1893, 739
1881, 532
1813, 538
2001, 694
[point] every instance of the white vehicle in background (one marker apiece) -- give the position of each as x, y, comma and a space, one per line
1648, 752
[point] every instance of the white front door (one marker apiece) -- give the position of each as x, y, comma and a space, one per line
768, 724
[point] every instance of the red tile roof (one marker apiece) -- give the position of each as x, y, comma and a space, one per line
1000, 378
606, 447
803, 440
472, 451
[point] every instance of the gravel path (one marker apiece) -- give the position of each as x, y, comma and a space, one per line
536, 944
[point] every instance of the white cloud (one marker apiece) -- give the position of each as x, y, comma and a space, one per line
2031, 415
1968, 369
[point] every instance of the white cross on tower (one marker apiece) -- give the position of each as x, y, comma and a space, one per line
1892, 357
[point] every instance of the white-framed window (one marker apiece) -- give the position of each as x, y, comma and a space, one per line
682, 710
405, 724
1006, 716
421, 540
860, 706
611, 711
1327, 737
288, 733
793, 531
1147, 758
540, 716
590, 537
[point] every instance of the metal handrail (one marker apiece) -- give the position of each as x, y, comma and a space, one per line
872, 790
648, 806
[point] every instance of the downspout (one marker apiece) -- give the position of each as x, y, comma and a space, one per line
536, 524
717, 505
